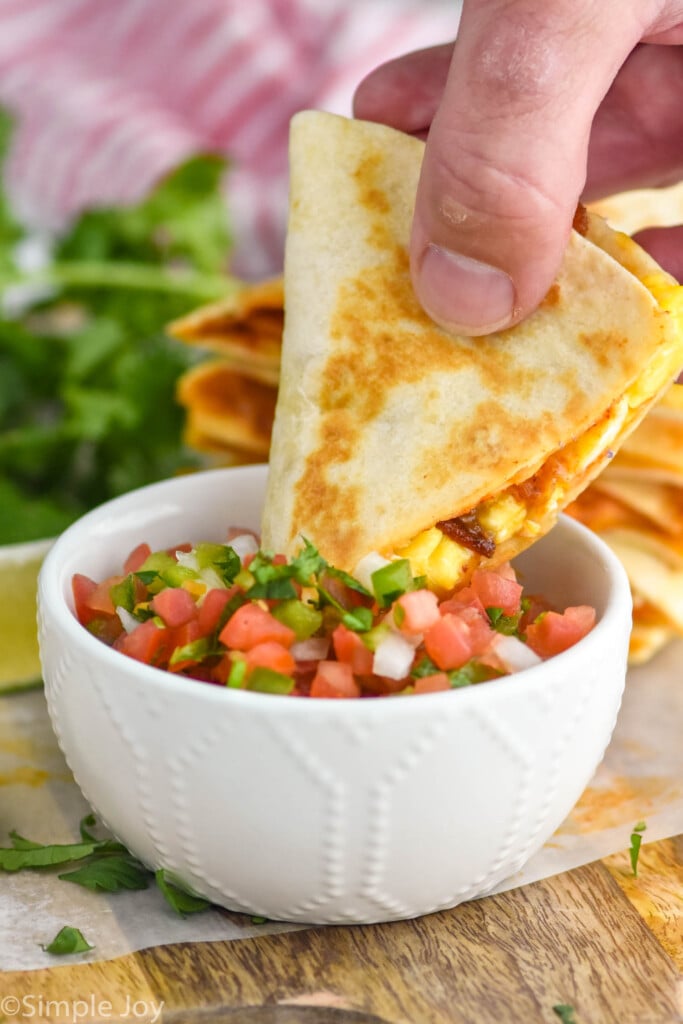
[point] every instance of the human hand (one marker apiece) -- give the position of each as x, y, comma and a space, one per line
535, 107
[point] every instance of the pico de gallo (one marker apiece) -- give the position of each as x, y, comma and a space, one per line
233, 615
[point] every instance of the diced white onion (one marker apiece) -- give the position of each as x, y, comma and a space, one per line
244, 544
314, 649
367, 565
393, 657
188, 560
212, 579
514, 653
128, 621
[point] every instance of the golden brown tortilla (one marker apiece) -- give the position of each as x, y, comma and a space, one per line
386, 425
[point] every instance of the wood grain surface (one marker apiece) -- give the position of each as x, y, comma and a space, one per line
598, 939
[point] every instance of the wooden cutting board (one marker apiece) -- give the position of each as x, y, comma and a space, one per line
603, 944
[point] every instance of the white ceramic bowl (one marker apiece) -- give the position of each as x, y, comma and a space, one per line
321, 810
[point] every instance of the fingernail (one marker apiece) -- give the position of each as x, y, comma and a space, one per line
464, 295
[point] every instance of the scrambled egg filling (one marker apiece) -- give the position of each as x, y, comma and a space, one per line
445, 562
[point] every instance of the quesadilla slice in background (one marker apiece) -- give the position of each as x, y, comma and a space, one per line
244, 329
226, 411
636, 506
391, 435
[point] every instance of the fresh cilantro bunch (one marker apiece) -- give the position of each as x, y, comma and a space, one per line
87, 373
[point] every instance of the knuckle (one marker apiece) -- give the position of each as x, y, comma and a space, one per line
473, 187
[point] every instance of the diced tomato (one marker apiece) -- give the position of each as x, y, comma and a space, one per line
495, 591
251, 625
100, 600
212, 608
187, 633
175, 606
107, 629
148, 642
83, 588
271, 655
535, 606
136, 558
506, 571
463, 598
419, 611
481, 632
182, 636
557, 631
334, 679
350, 649
448, 642
432, 684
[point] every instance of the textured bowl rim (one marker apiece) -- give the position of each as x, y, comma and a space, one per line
593, 646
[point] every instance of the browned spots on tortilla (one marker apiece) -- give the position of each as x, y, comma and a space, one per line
552, 296
605, 347
373, 197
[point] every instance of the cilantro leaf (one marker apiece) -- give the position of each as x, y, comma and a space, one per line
308, 564
110, 874
272, 581
177, 897
565, 1013
68, 940
88, 376
508, 625
84, 826
636, 842
350, 581
31, 855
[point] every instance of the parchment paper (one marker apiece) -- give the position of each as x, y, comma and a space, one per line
641, 778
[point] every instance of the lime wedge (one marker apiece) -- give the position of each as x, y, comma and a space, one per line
19, 662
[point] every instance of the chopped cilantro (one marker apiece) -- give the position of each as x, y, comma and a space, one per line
565, 1012
177, 896
87, 373
502, 623
424, 667
68, 940
350, 581
636, 842
103, 865
110, 874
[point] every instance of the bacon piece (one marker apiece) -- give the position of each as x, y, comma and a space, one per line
468, 531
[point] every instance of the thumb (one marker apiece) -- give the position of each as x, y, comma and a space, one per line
505, 161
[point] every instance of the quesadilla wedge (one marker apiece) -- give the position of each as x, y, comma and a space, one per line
244, 329
226, 409
393, 436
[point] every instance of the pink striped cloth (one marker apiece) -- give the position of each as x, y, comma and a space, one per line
110, 94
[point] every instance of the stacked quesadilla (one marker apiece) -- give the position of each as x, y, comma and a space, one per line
229, 397
394, 437
636, 506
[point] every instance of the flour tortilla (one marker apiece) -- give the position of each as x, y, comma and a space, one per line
386, 424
